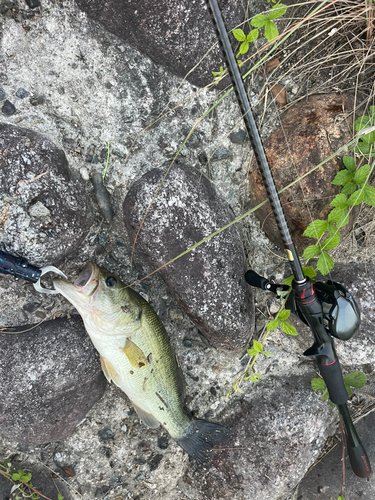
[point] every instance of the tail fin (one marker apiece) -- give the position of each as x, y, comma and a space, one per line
200, 439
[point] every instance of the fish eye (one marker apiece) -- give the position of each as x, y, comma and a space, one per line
111, 282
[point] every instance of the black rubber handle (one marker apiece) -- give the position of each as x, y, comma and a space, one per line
18, 267
332, 376
256, 280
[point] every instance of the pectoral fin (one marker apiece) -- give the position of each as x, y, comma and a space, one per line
146, 418
134, 354
109, 371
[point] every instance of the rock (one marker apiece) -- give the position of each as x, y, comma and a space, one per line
22, 93
238, 137
314, 130
8, 108
321, 482
39, 195
222, 153
33, 3
41, 479
209, 281
50, 378
2, 94
275, 435
174, 34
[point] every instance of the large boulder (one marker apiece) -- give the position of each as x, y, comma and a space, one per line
209, 281
50, 377
175, 34
43, 209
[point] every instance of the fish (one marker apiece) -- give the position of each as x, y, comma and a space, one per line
136, 355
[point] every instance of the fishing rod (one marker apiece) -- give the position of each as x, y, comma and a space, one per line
307, 300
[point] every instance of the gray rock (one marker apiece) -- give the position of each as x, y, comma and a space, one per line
275, 434
39, 195
41, 479
2, 94
222, 153
175, 34
8, 108
22, 93
50, 378
209, 281
238, 137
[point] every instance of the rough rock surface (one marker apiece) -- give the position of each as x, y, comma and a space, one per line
209, 281
43, 209
311, 131
175, 34
241, 471
49, 382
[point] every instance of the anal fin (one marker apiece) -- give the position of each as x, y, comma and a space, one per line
146, 418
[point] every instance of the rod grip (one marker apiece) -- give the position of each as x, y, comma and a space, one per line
332, 376
254, 279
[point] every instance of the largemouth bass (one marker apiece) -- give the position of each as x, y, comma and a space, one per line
136, 355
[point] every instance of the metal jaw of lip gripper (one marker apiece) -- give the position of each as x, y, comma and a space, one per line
20, 268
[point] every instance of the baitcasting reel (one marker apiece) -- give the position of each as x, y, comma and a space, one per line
340, 311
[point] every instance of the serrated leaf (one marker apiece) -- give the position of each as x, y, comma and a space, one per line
361, 174
244, 47
239, 35
331, 242
309, 271
270, 31
318, 384
332, 230
349, 163
339, 201
369, 196
368, 138
277, 11
288, 280
356, 198
252, 36
252, 352
349, 188
259, 21
362, 148
362, 122
342, 178
257, 346
284, 314
311, 251
344, 220
335, 215
272, 325
356, 380
325, 263
288, 328
316, 229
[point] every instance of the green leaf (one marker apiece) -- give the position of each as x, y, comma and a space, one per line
252, 36
277, 11
368, 138
362, 148
318, 384
309, 271
362, 174
335, 214
16, 476
257, 346
349, 163
284, 314
35, 496
348, 390
331, 242
332, 230
342, 178
60, 497
344, 220
267, 353
316, 229
362, 122
244, 47
26, 477
325, 263
356, 380
372, 111
339, 201
288, 280
311, 251
325, 395
252, 352
270, 31
288, 328
356, 198
369, 197
340, 498
272, 325
239, 35
259, 21
349, 188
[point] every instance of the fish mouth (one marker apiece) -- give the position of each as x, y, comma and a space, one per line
85, 285
85, 275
